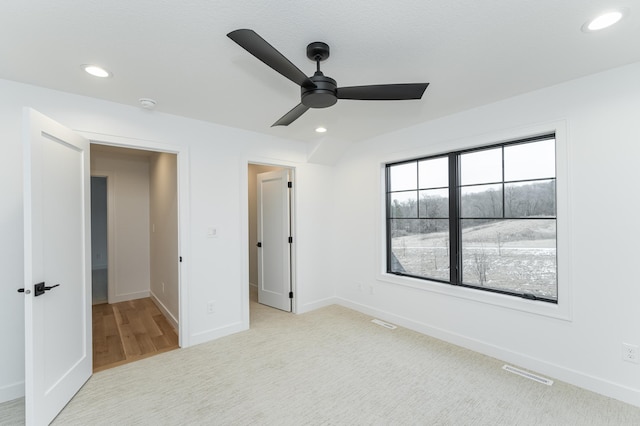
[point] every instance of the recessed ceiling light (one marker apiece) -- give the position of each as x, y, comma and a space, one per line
321, 129
603, 21
96, 71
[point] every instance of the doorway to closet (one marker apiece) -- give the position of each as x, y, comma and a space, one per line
135, 261
271, 239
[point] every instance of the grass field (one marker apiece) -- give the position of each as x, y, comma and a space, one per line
513, 255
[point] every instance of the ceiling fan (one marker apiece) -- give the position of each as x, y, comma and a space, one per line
318, 91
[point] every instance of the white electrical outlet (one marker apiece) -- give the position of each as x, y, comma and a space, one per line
630, 353
211, 307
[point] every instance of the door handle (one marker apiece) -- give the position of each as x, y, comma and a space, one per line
40, 288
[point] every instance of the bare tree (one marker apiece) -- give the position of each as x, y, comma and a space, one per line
481, 265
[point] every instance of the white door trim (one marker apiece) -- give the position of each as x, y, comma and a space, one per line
182, 154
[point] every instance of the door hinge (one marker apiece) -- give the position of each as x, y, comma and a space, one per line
289, 184
290, 295
290, 240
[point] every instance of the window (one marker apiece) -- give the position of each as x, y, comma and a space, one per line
482, 218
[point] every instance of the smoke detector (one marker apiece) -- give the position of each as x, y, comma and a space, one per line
147, 103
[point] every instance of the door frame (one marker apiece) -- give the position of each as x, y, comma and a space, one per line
244, 210
182, 158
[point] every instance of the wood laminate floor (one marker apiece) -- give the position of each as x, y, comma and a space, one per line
128, 331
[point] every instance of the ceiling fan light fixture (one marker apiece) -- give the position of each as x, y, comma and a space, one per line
96, 71
604, 20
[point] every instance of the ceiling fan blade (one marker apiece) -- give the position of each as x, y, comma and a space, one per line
383, 92
258, 47
291, 116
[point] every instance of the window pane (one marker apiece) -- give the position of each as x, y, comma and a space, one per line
534, 160
518, 256
434, 173
434, 203
420, 247
403, 204
481, 167
529, 199
481, 201
403, 176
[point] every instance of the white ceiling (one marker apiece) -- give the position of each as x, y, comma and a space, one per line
471, 51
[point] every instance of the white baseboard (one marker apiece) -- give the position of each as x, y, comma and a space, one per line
574, 377
312, 306
168, 315
129, 296
216, 333
11, 392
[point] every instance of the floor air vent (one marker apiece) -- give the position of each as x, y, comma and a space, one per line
528, 375
384, 324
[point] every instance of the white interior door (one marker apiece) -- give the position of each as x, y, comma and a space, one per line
274, 231
57, 244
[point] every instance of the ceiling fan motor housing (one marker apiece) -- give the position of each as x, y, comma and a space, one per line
321, 96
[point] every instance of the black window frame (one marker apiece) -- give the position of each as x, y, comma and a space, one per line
455, 216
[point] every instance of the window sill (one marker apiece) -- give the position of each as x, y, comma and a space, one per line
536, 307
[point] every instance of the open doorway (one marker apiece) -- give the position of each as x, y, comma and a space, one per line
271, 239
136, 204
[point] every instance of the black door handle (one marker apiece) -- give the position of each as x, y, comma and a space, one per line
40, 288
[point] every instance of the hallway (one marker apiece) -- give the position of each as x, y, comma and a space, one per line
128, 331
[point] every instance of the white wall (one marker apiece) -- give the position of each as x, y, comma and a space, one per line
11, 254
598, 117
163, 209
314, 239
216, 195
128, 204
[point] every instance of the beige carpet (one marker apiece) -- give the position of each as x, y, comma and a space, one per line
330, 367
